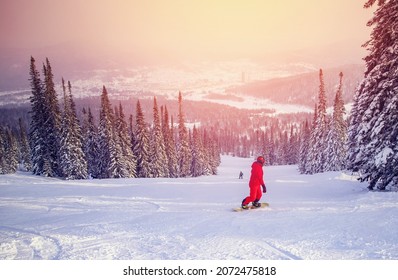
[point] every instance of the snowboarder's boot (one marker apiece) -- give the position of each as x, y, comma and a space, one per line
244, 206
256, 203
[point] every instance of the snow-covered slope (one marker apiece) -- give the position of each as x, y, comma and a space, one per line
324, 216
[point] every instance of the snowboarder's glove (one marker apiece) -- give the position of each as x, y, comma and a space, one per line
264, 189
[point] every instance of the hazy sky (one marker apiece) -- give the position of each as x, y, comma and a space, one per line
184, 28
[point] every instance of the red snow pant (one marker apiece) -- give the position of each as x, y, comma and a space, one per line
255, 194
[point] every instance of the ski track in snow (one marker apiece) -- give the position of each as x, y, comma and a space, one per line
323, 216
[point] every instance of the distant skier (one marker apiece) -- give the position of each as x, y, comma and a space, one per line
256, 184
241, 175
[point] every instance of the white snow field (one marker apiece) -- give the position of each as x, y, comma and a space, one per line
312, 217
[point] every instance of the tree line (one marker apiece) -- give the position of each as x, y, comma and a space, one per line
323, 143
367, 143
58, 145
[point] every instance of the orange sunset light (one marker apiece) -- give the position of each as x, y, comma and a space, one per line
185, 29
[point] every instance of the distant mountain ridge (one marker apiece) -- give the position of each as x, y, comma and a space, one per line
296, 90
286, 78
302, 89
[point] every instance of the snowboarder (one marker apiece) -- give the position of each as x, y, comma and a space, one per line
256, 181
241, 175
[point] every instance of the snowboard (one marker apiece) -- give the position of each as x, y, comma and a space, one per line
240, 209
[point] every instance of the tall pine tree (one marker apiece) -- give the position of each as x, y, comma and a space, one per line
25, 152
170, 145
45, 124
184, 151
304, 147
198, 154
336, 151
141, 144
37, 129
316, 159
158, 163
52, 122
321, 129
90, 144
106, 141
8, 151
128, 159
72, 161
373, 143
119, 167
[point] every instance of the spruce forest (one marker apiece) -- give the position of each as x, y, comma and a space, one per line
61, 138
61, 145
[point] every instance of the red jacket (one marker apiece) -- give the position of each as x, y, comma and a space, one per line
256, 178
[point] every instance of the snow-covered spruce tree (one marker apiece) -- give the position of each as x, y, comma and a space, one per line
80, 166
170, 146
215, 149
210, 151
8, 151
281, 149
65, 141
293, 147
207, 153
352, 147
157, 150
45, 123
213, 146
13, 153
24, 150
72, 161
183, 150
373, 146
90, 146
52, 122
106, 142
111, 159
317, 155
310, 153
305, 134
37, 129
118, 166
336, 150
198, 154
141, 144
129, 160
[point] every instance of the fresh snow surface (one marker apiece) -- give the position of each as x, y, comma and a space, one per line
325, 216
